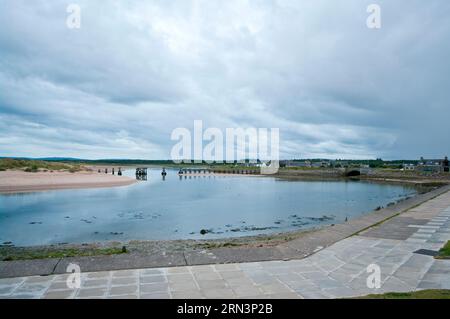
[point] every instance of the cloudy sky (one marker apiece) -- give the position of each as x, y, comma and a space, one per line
136, 70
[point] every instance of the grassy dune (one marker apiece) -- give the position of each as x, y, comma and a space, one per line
34, 165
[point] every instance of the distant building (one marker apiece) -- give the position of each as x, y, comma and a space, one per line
433, 165
298, 164
445, 164
321, 164
429, 162
408, 167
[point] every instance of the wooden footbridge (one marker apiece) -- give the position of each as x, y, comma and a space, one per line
209, 171
141, 172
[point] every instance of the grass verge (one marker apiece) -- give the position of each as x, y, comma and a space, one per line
423, 294
444, 253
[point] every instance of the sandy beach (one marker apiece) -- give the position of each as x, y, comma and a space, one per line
21, 182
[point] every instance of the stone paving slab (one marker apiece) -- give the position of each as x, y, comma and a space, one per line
27, 268
116, 262
397, 228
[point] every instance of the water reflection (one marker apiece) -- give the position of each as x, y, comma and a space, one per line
160, 207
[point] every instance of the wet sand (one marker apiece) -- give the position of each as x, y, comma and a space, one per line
22, 182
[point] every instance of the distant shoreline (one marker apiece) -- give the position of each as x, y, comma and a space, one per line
19, 181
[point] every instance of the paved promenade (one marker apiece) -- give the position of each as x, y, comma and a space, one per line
401, 247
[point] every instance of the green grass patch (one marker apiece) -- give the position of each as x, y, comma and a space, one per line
423, 294
444, 253
31, 254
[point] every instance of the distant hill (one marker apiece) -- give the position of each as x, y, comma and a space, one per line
370, 162
97, 161
53, 159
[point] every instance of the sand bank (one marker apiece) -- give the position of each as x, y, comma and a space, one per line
21, 182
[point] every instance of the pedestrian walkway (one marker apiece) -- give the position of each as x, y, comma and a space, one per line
401, 247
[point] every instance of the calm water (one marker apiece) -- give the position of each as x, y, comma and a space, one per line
180, 209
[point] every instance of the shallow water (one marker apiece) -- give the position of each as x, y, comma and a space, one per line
180, 208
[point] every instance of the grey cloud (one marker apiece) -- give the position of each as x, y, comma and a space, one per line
136, 70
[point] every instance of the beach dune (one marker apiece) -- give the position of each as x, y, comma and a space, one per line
21, 182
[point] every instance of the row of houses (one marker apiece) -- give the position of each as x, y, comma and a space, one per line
429, 166
307, 164
317, 164
424, 165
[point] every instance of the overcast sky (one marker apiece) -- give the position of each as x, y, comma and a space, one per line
136, 70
